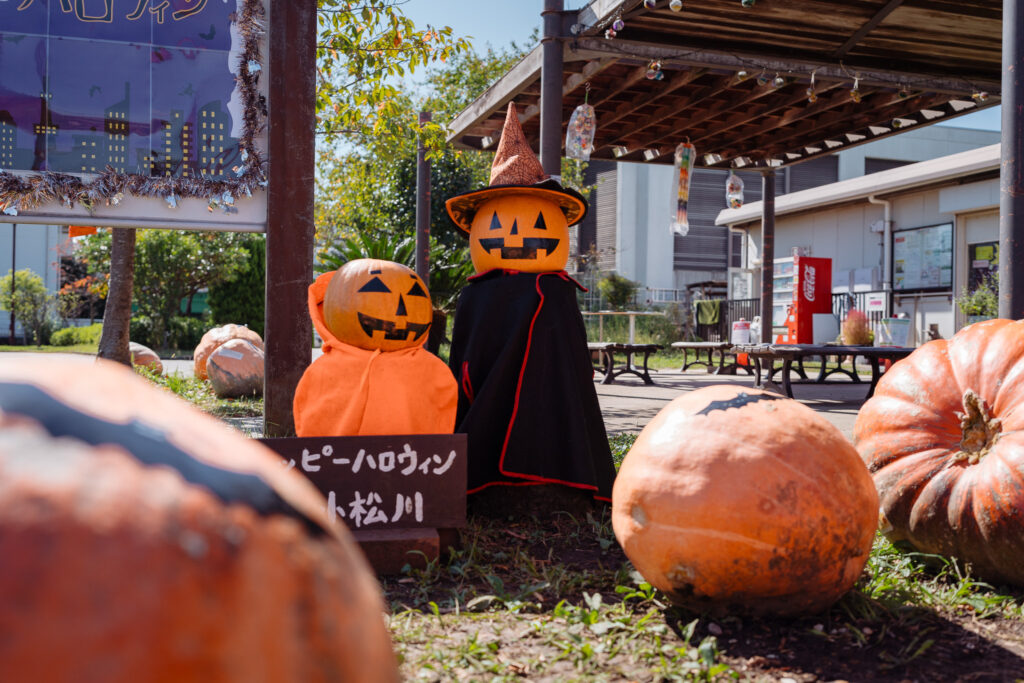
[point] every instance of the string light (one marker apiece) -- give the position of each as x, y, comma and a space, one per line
676, 5
650, 4
855, 93
897, 124
980, 96
742, 75
903, 93
747, 3
778, 81
812, 96
762, 78
618, 24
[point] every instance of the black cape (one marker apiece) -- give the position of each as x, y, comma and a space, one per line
526, 390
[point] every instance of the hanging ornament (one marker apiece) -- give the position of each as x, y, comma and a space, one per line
762, 78
980, 96
650, 4
733, 190
676, 5
742, 75
747, 3
579, 134
812, 96
618, 24
686, 154
654, 71
778, 81
897, 123
903, 93
609, 34
855, 93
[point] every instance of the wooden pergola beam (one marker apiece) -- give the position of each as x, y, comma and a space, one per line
868, 26
627, 108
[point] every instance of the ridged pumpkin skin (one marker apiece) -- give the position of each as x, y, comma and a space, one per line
943, 489
739, 500
519, 232
375, 304
235, 369
143, 541
216, 336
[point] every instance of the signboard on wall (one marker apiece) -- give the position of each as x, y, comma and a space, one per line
146, 113
923, 258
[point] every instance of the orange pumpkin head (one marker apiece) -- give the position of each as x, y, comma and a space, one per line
376, 304
519, 232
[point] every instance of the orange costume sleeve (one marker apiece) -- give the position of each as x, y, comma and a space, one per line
350, 391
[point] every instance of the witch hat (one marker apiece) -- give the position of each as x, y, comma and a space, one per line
516, 171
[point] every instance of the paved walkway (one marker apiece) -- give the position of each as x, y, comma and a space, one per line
626, 405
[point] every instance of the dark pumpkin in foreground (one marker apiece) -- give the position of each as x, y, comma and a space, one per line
739, 500
143, 541
943, 436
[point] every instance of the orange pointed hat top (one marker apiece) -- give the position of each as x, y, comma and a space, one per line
516, 170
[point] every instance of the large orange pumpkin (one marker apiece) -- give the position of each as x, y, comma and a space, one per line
216, 336
143, 541
519, 231
943, 436
374, 304
734, 499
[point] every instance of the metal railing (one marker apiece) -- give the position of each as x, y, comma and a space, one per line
842, 303
730, 311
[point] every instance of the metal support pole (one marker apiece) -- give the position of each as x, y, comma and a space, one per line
423, 206
1011, 175
14, 268
289, 332
767, 252
551, 75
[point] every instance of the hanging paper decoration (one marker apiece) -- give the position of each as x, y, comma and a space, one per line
733, 190
812, 95
855, 93
686, 154
579, 135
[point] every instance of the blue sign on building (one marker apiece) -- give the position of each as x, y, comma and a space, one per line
143, 86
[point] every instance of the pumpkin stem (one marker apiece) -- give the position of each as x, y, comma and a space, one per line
980, 429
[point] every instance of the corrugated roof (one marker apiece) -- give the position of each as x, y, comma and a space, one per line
934, 171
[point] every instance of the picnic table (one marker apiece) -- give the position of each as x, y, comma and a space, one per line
724, 350
765, 355
607, 350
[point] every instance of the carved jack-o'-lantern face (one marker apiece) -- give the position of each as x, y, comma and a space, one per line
377, 304
519, 232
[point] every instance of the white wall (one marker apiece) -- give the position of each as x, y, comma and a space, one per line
918, 144
644, 243
36, 250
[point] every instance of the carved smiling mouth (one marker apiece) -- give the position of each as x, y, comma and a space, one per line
390, 330
527, 251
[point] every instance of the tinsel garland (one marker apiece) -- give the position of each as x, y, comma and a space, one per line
110, 187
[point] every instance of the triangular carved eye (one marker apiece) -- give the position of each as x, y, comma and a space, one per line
416, 290
540, 224
515, 227
495, 223
375, 285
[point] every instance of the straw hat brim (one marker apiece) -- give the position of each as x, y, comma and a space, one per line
463, 207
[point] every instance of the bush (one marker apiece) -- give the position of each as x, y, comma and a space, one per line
618, 291
72, 336
242, 300
183, 332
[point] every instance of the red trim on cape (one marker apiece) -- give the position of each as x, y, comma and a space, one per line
467, 386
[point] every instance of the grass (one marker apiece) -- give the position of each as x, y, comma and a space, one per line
76, 348
200, 394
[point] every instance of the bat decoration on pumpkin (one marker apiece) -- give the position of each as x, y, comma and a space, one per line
741, 399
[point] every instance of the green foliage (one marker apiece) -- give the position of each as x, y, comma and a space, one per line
31, 304
182, 332
364, 50
200, 394
71, 336
242, 299
170, 265
983, 300
617, 290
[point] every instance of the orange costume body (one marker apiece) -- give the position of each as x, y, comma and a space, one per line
350, 391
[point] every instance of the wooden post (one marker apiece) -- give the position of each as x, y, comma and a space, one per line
423, 206
767, 252
289, 332
551, 75
1011, 175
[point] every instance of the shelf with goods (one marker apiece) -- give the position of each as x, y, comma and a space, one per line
782, 293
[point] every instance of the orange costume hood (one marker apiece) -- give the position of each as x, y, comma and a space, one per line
350, 391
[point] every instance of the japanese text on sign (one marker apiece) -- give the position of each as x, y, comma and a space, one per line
155, 7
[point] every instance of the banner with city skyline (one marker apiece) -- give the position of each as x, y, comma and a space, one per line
146, 87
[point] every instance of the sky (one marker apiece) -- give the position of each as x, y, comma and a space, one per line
500, 21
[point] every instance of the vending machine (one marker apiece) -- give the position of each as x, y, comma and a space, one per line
802, 286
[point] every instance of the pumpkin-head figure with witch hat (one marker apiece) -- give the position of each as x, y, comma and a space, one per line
521, 220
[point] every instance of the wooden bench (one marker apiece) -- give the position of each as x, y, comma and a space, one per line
724, 350
606, 357
765, 355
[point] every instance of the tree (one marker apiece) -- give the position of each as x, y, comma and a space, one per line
169, 266
29, 302
120, 250
242, 299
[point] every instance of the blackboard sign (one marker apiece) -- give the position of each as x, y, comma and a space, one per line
384, 482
